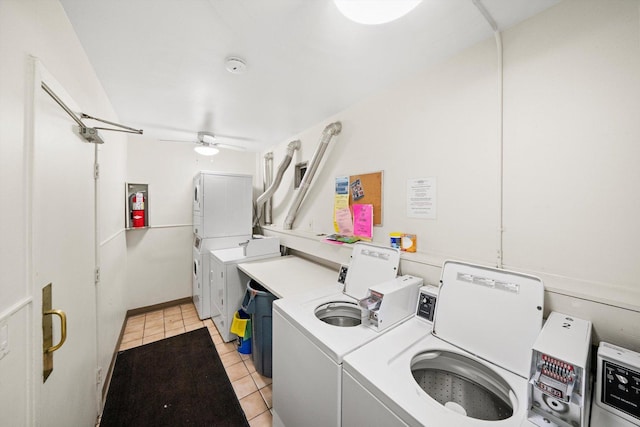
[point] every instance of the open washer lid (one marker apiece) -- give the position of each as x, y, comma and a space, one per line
494, 314
370, 265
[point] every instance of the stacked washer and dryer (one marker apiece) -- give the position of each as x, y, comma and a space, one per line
222, 218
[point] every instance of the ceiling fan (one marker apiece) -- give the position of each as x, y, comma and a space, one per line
207, 144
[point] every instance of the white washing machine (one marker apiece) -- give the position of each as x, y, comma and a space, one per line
200, 275
313, 332
200, 271
471, 370
228, 285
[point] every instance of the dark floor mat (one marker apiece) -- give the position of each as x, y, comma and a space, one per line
178, 381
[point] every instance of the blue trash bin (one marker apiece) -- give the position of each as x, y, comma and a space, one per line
258, 302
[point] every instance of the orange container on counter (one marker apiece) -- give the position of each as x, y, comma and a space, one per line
408, 242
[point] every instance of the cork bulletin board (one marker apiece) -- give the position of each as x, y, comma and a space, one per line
367, 189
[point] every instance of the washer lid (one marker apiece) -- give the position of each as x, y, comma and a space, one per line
370, 265
494, 314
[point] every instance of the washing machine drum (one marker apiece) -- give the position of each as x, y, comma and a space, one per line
340, 313
463, 385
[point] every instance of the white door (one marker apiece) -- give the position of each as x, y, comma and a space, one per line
63, 254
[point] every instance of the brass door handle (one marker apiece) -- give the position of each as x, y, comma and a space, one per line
63, 329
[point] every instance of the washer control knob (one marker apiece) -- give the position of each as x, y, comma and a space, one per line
622, 379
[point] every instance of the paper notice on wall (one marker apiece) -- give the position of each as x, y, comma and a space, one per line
344, 221
421, 198
341, 206
363, 221
342, 185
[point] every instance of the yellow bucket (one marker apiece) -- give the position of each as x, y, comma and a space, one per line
239, 325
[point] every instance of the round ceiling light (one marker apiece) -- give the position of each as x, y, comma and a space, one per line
373, 12
206, 150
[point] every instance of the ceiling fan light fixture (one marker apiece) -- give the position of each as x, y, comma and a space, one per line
206, 150
206, 137
374, 12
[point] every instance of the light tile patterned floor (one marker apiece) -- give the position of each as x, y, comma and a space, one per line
253, 390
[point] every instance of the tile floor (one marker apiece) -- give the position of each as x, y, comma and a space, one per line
253, 390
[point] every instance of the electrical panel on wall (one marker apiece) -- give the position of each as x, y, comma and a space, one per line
137, 206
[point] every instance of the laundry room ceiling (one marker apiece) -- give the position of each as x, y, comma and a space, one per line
162, 62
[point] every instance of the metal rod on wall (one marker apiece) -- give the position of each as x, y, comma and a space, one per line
124, 128
63, 105
92, 135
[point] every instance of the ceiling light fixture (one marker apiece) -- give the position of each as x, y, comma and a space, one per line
373, 12
205, 144
206, 150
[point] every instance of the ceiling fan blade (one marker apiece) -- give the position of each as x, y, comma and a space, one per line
177, 140
229, 146
234, 137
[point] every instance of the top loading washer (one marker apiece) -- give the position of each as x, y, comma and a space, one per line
471, 370
313, 332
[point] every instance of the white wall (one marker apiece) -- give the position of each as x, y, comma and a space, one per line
159, 258
572, 96
571, 102
41, 29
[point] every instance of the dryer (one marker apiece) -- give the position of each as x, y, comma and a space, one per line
313, 332
222, 205
471, 369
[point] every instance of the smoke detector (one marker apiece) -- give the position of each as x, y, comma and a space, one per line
235, 65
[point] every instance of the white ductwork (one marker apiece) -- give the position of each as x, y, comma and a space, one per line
293, 146
329, 132
268, 180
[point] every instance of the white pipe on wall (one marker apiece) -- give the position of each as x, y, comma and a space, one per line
268, 180
500, 230
329, 132
498, 37
262, 199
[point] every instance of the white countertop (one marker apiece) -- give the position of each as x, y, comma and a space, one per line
289, 275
